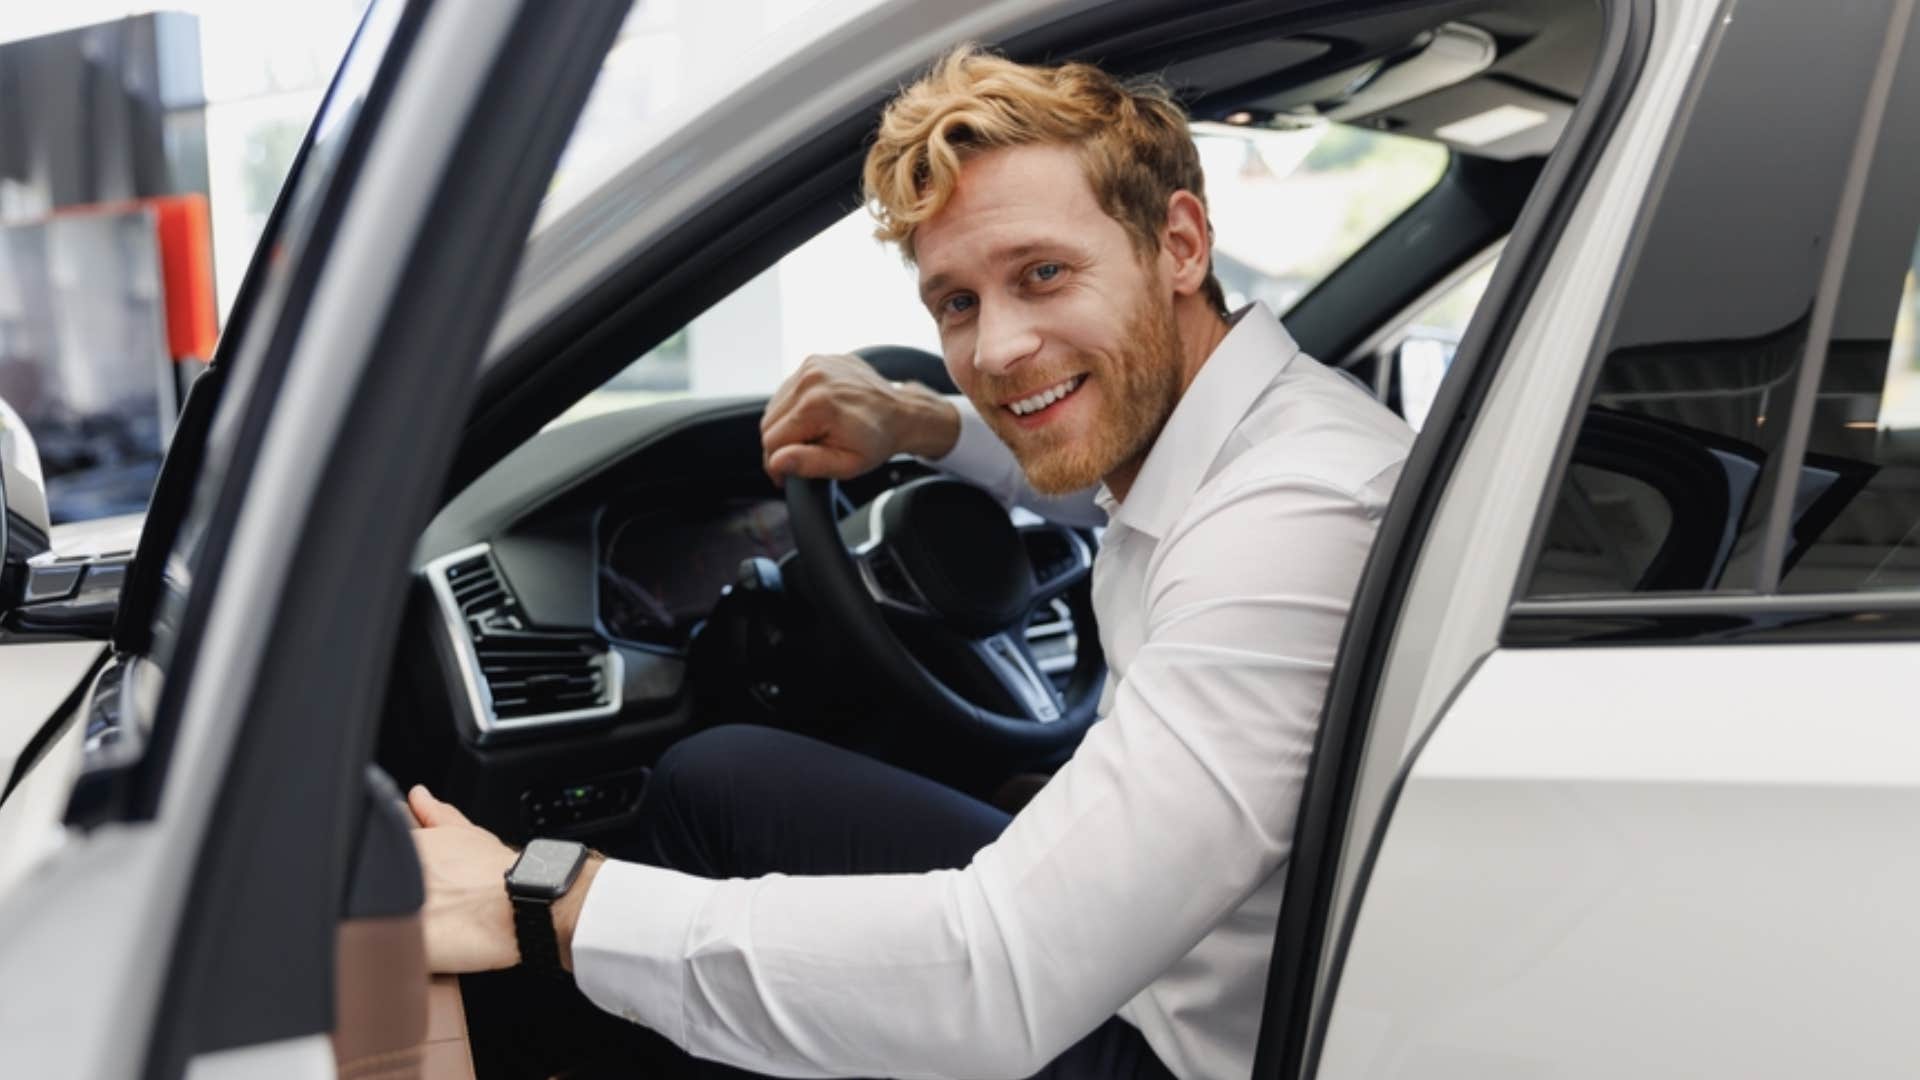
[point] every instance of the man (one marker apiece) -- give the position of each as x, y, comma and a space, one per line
1121, 924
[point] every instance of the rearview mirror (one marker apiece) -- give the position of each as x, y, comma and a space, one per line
25, 528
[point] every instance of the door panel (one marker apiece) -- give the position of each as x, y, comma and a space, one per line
30, 818
447, 1054
1651, 860
34, 680
1700, 864
1439, 599
379, 995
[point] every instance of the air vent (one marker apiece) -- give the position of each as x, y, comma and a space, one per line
535, 674
482, 598
530, 675
1053, 640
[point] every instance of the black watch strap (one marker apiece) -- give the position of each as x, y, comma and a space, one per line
544, 872
533, 926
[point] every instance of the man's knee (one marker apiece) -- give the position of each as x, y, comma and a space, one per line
705, 789
706, 768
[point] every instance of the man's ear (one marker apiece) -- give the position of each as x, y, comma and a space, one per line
1186, 247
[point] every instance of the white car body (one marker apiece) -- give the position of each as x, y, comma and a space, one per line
1566, 859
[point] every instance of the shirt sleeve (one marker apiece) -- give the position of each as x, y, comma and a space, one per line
1174, 810
980, 457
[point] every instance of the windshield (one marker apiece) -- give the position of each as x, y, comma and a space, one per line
1288, 207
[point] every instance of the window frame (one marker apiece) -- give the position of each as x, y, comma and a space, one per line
1383, 345
1764, 613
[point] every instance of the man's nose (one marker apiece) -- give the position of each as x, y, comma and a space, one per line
1006, 336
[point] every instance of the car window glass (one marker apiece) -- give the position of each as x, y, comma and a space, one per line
1698, 372
1287, 208
1631, 513
332, 128
1426, 353
1290, 206
1861, 530
671, 60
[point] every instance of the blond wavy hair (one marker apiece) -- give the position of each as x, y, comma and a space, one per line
1132, 139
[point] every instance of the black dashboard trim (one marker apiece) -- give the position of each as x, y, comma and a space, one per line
560, 461
456, 646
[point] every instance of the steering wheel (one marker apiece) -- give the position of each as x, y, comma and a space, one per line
941, 560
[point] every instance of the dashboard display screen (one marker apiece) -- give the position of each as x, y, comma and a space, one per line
661, 570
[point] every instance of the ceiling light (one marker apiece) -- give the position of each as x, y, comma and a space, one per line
1491, 126
1242, 117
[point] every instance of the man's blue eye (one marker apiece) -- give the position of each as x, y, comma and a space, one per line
959, 304
1047, 271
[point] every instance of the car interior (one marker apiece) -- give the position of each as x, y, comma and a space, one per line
597, 588
617, 582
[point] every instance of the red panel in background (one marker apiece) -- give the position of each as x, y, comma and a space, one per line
184, 227
186, 261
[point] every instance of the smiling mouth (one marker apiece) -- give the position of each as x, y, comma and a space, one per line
1045, 399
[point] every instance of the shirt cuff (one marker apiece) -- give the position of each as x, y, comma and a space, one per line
978, 451
629, 948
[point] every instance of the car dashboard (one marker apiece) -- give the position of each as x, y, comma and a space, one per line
566, 583
663, 562
565, 615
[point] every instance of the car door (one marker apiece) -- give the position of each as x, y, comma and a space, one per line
202, 914
44, 660
61, 618
1635, 794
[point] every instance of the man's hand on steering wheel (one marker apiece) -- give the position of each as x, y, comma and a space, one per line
836, 418
938, 556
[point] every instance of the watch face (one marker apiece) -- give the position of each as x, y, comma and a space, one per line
546, 869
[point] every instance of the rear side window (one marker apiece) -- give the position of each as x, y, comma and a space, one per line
1864, 433
1695, 468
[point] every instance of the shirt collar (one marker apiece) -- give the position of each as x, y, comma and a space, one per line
1254, 352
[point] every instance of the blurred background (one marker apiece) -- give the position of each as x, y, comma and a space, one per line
140, 153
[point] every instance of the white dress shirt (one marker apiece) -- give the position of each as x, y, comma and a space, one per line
1145, 878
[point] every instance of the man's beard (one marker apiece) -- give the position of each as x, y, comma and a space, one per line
1137, 390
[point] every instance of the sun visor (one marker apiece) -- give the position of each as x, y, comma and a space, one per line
1486, 117
1443, 57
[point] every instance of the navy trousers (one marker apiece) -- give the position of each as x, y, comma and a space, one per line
740, 802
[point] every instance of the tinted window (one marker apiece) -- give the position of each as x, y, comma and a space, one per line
1677, 455
1864, 438
244, 344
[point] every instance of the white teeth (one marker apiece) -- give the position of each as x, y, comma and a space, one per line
1044, 398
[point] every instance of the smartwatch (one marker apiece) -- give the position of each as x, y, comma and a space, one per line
543, 873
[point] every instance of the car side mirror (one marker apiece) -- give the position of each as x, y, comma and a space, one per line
1420, 363
44, 595
25, 527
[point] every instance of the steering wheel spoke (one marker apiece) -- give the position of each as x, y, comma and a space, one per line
1005, 656
932, 586
1060, 557
888, 582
